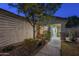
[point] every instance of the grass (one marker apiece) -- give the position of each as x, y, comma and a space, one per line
69, 49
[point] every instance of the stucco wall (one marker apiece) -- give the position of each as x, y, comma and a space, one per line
13, 30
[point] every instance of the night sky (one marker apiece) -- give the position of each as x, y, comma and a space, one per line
66, 10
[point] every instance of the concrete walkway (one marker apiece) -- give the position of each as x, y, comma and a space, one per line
51, 49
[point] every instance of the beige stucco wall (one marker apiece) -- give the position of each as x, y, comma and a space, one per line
13, 30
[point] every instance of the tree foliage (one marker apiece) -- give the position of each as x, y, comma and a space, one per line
73, 21
35, 11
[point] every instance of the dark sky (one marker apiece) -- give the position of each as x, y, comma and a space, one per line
9, 8
67, 9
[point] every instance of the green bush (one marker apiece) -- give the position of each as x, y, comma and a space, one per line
72, 36
8, 48
30, 43
47, 35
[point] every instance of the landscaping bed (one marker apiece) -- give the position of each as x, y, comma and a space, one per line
69, 49
26, 48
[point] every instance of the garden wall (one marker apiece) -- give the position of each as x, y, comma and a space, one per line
13, 28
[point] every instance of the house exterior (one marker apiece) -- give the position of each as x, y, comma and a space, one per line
13, 28
64, 31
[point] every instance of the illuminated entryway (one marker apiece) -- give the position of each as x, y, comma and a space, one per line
55, 35
55, 30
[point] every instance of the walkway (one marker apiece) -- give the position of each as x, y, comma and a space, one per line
51, 49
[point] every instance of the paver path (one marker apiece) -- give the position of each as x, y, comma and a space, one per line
51, 49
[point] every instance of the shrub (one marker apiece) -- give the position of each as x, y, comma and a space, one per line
47, 35
8, 48
30, 43
72, 36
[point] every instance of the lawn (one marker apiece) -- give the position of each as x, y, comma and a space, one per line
69, 49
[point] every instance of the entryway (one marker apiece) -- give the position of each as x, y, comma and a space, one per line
55, 35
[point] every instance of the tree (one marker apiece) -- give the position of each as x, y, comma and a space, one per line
32, 11
73, 21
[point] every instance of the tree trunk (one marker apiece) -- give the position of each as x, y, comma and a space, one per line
33, 31
33, 26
